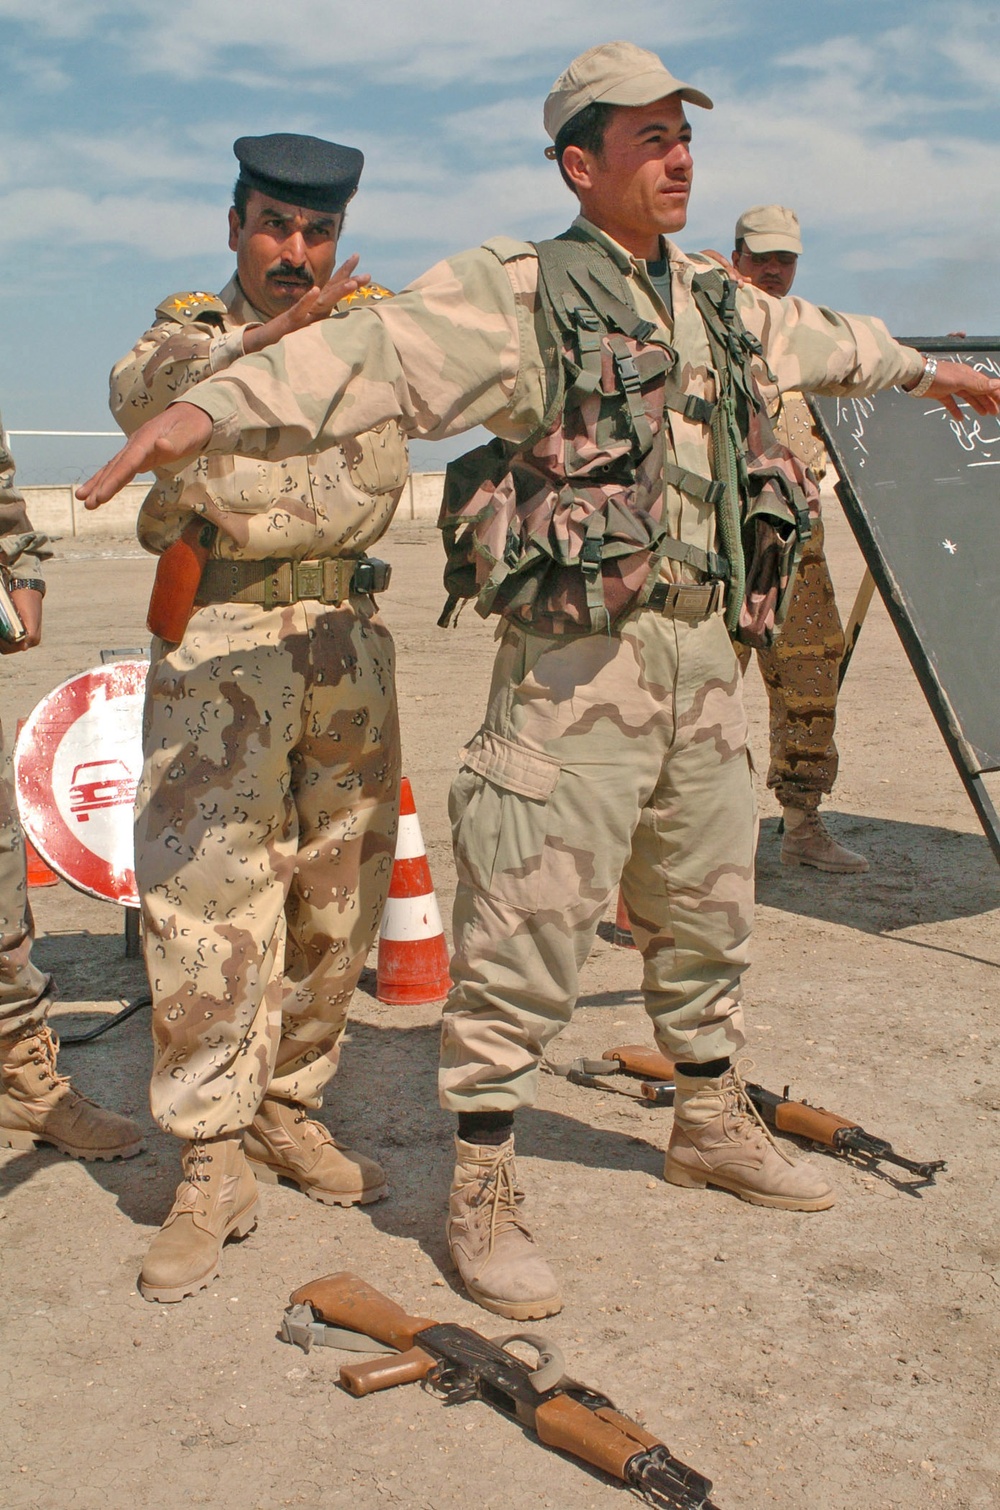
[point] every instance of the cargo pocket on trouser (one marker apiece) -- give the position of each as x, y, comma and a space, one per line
499, 818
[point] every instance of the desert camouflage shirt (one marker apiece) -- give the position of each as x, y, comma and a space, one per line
336, 500
460, 347
19, 543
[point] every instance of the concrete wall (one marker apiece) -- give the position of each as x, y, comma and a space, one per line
56, 511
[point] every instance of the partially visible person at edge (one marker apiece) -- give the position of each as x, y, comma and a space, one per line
38, 1104
267, 810
801, 668
604, 754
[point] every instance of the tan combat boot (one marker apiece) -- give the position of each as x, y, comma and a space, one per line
808, 841
718, 1139
492, 1248
216, 1199
38, 1105
284, 1143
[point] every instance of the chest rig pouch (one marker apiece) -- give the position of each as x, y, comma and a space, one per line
565, 532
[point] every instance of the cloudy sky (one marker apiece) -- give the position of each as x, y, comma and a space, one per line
877, 121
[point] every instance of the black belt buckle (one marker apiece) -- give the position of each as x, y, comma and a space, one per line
371, 575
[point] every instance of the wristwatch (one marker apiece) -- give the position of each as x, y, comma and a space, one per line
929, 374
26, 584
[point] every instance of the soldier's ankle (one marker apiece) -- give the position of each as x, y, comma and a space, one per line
489, 1128
710, 1071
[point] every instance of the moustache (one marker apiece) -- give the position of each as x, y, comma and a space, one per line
288, 274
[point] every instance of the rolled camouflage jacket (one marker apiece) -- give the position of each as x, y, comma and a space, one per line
20, 545
461, 347
334, 501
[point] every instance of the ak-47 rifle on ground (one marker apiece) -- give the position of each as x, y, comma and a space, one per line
779, 1112
456, 1362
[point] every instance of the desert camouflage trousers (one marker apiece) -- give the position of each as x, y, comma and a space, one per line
800, 673
265, 834
24, 998
601, 757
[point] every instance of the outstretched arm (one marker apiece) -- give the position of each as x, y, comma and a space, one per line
456, 349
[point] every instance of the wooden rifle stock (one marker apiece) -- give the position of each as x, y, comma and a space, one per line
636, 1059
362, 1379
345, 1300
178, 575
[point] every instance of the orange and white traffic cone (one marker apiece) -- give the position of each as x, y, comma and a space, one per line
39, 873
623, 925
412, 953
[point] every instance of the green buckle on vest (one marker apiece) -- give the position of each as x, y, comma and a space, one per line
628, 370
590, 555
699, 409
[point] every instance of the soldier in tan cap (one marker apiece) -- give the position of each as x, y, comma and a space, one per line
37, 1103
601, 523
800, 669
266, 814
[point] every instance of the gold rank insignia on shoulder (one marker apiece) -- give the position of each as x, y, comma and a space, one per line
368, 293
194, 305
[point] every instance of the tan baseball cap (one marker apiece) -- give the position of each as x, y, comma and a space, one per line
769, 228
616, 73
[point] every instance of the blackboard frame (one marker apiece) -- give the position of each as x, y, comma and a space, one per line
893, 593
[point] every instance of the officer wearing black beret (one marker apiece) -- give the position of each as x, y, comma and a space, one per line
300, 170
265, 829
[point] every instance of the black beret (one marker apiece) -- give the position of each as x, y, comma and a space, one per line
300, 170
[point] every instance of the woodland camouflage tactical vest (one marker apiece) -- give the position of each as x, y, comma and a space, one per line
565, 532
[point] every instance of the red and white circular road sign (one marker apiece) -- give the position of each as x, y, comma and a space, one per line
77, 762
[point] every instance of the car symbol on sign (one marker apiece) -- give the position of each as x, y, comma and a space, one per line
100, 783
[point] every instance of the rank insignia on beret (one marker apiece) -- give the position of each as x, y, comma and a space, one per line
368, 293
191, 306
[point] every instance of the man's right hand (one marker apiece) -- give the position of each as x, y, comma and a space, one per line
315, 304
181, 432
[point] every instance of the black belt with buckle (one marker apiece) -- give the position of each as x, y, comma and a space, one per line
275, 584
687, 600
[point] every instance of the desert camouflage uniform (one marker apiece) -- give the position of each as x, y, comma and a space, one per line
606, 755
266, 814
800, 669
24, 999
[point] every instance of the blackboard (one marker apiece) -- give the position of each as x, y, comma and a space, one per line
922, 494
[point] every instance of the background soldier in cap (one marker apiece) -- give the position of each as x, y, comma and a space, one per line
618, 749
266, 815
37, 1103
801, 668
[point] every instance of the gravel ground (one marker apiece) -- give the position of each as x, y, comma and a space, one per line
838, 1361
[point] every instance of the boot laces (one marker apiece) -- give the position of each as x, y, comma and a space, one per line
196, 1160
498, 1186
43, 1052
741, 1105
319, 1133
